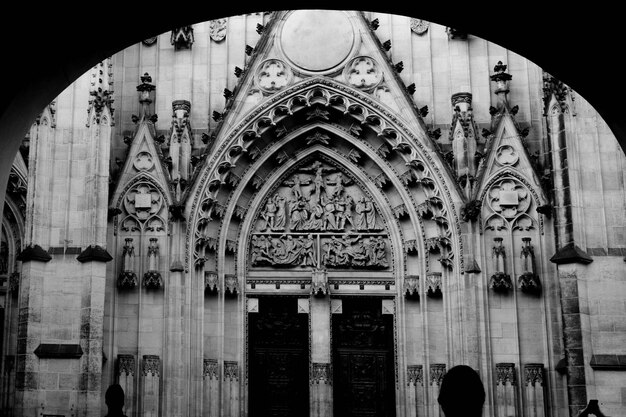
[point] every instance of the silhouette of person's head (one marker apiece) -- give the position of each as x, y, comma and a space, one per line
462, 393
114, 399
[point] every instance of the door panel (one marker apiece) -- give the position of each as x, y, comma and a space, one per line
364, 376
279, 361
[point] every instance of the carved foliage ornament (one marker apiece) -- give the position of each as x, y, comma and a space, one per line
217, 29
419, 26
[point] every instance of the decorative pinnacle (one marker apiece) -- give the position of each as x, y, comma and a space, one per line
501, 78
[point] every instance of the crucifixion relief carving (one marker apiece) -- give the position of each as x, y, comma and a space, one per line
319, 217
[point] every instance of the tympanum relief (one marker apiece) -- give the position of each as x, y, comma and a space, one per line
318, 217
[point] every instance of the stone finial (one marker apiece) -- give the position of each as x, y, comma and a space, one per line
501, 78
462, 100
100, 91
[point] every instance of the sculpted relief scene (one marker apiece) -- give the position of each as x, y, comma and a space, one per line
319, 217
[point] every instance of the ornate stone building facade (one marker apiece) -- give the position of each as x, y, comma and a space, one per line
314, 213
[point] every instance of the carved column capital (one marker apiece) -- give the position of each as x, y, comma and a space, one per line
533, 374
505, 372
321, 372
231, 371
126, 365
151, 365
209, 369
415, 374
437, 372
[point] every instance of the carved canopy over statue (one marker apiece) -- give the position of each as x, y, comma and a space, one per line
319, 217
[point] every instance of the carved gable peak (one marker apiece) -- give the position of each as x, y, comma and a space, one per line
144, 158
505, 152
323, 44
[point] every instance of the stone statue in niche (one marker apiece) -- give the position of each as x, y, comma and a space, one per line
152, 278
128, 277
500, 280
528, 280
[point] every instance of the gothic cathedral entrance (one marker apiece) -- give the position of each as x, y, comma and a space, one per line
363, 359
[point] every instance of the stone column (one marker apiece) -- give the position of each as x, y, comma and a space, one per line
126, 368
505, 389
321, 392
211, 388
534, 390
437, 372
415, 395
150, 389
230, 388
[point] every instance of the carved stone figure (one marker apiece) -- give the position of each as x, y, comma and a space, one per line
152, 278
128, 253
308, 251
366, 215
269, 214
299, 213
330, 222
128, 277
280, 219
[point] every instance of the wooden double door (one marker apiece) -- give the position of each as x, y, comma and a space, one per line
362, 359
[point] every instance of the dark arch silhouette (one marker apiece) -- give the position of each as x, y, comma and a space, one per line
46, 47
